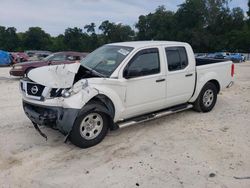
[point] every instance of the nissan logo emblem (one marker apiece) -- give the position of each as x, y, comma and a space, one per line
34, 90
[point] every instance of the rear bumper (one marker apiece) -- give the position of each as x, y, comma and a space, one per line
14, 72
54, 117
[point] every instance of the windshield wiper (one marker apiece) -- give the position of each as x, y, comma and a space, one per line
92, 71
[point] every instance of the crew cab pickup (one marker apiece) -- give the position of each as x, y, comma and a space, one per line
121, 84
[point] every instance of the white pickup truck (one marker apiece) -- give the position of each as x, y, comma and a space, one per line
121, 84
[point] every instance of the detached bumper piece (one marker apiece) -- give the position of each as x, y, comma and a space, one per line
57, 118
39, 130
230, 84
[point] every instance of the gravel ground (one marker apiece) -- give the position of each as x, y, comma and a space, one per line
187, 149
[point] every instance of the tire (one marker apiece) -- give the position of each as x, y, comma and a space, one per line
206, 99
89, 129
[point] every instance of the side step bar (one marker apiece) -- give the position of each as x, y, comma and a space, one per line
154, 115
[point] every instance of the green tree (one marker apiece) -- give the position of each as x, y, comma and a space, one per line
237, 18
90, 28
156, 26
11, 39
115, 32
58, 43
190, 21
2, 38
36, 38
73, 39
8, 39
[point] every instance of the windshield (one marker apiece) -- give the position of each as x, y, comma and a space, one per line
106, 59
55, 57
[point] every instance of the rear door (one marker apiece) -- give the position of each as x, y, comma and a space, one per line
180, 75
145, 83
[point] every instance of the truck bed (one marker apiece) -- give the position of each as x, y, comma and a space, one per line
207, 61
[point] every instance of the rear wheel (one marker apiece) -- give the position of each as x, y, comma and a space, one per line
89, 129
207, 98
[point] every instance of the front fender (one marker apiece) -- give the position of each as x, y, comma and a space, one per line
116, 99
79, 99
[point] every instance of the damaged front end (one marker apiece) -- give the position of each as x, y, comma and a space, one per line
54, 95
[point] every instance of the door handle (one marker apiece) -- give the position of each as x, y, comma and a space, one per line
188, 75
160, 80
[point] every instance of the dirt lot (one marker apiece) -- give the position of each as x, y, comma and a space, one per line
187, 149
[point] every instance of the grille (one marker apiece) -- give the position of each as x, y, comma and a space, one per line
35, 89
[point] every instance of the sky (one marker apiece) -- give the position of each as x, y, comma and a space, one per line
54, 16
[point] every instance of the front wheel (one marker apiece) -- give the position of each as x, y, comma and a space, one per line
89, 129
207, 98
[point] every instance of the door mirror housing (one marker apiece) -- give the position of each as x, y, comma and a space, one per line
128, 74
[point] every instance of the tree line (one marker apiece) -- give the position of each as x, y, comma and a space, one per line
208, 25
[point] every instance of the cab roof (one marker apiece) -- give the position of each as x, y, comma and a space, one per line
140, 44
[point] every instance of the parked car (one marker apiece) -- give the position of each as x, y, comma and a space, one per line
237, 57
243, 57
38, 54
54, 59
220, 55
5, 59
200, 55
121, 84
18, 57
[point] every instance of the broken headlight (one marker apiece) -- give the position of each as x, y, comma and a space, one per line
67, 93
82, 84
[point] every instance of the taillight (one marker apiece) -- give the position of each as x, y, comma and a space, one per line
232, 70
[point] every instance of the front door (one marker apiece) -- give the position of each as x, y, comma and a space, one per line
145, 83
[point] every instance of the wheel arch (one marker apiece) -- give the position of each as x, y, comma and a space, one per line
202, 82
217, 85
108, 108
106, 101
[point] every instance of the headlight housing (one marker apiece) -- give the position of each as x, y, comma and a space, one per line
78, 86
66, 93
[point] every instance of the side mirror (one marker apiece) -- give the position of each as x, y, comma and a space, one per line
128, 74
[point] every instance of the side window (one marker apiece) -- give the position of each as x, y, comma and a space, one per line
72, 58
58, 57
144, 63
177, 58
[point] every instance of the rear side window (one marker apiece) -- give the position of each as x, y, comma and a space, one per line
144, 63
58, 57
72, 58
177, 58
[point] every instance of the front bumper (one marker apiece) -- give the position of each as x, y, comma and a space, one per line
58, 118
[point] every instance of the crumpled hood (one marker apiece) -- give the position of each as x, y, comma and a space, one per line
57, 76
